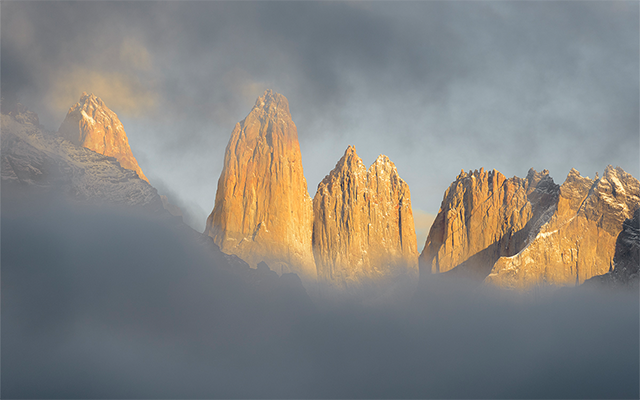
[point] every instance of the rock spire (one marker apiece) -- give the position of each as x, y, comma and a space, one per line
262, 209
91, 124
363, 227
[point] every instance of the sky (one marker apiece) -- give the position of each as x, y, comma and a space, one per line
436, 86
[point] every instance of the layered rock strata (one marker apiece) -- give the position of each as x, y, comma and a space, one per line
90, 123
579, 240
363, 228
262, 209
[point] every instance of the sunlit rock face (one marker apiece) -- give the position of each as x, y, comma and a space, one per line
91, 124
579, 240
524, 233
483, 217
262, 210
363, 230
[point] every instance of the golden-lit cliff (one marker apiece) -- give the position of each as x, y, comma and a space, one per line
484, 216
521, 233
579, 240
91, 124
363, 224
262, 209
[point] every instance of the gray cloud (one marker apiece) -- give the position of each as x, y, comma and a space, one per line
101, 303
437, 86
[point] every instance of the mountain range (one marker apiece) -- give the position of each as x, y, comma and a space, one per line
358, 230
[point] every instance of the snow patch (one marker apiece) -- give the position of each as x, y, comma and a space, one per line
87, 117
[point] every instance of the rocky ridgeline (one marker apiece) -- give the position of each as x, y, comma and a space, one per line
521, 233
579, 240
42, 163
513, 233
91, 124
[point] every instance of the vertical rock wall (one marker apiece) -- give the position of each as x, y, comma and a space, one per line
363, 229
262, 209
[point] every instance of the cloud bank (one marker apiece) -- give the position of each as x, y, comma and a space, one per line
100, 303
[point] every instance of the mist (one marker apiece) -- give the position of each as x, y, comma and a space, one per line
108, 303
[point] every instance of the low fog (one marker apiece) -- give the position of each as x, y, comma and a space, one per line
109, 303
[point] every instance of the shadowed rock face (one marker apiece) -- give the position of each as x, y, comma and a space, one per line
627, 257
579, 240
626, 261
363, 228
262, 210
484, 216
91, 124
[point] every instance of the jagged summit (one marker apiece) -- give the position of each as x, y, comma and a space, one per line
272, 102
521, 233
90, 123
578, 240
483, 216
262, 210
363, 228
384, 168
348, 162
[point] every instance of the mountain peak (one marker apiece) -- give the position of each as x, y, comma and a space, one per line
382, 159
363, 229
349, 163
90, 100
350, 153
383, 163
574, 174
35, 158
91, 124
482, 217
262, 209
576, 239
272, 102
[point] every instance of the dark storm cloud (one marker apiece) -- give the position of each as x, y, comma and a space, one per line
100, 303
437, 86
